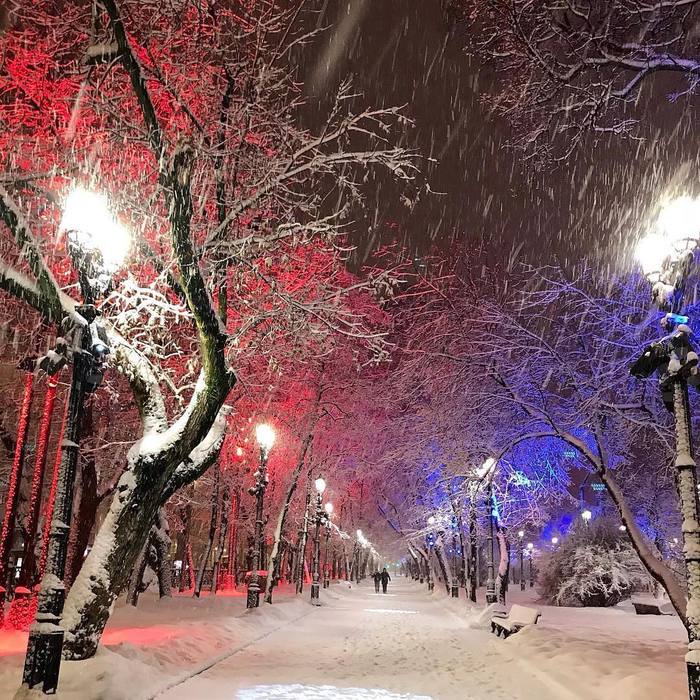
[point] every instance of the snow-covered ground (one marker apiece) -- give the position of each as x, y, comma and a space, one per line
363, 646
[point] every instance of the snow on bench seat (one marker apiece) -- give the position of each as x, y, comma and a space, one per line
518, 617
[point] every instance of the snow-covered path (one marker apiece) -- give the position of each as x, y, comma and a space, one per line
364, 646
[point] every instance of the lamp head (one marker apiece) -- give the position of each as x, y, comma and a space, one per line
320, 485
586, 515
329, 508
521, 534
431, 520
91, 226
265, 435
530, 546
555, 540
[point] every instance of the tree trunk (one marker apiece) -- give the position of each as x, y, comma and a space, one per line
161, 542
441, 562
186, 519
88, 504
141, 490
301, 546
273, 561
136, 579
221, 543
213, 521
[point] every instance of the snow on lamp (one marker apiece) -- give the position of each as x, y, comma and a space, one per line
665, 253
90, 224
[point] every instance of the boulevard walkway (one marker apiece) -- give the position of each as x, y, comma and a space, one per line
365, 646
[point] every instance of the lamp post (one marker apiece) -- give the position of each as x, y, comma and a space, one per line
530, 552
97, 244
320, 485
521, 534
666, 255
326, 571
265, 436
486, 472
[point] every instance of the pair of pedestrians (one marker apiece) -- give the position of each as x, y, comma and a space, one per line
382, 578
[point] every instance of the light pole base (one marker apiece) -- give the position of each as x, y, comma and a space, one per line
315, 594
326, 583
43, 661
455, 591
491, 598
253, 596
431, 585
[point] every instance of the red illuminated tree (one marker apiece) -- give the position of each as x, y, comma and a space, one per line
187, 117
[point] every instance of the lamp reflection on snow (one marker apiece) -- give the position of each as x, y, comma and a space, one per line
321, 692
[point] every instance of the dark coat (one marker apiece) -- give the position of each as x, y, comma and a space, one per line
385, 577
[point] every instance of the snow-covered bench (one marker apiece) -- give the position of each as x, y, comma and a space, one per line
518, 617
652, 607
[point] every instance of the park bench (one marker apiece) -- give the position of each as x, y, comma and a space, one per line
647, 607
518, 617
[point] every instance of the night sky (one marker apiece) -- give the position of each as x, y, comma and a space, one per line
401, 52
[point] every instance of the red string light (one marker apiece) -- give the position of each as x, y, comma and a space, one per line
15, 477
38, 479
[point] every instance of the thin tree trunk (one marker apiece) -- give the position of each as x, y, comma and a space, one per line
213, 521
273, 561
161, 542
221, 543
503, 566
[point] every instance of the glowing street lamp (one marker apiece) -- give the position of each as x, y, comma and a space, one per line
319, 519
555, 541
666, 259
265, 436
586, 516
530, 553
97, 245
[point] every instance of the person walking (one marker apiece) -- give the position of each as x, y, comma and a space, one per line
385, 578
377, 580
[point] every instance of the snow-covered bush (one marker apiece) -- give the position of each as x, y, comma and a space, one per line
594, 566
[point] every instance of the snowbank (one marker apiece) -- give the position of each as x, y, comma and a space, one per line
594, 653
148, 648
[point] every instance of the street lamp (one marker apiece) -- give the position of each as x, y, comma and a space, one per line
320, 485
265, 436
530, 552
521, 534
666, 256
586, 516
555, 541
486, 472
97, 244
326, 572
